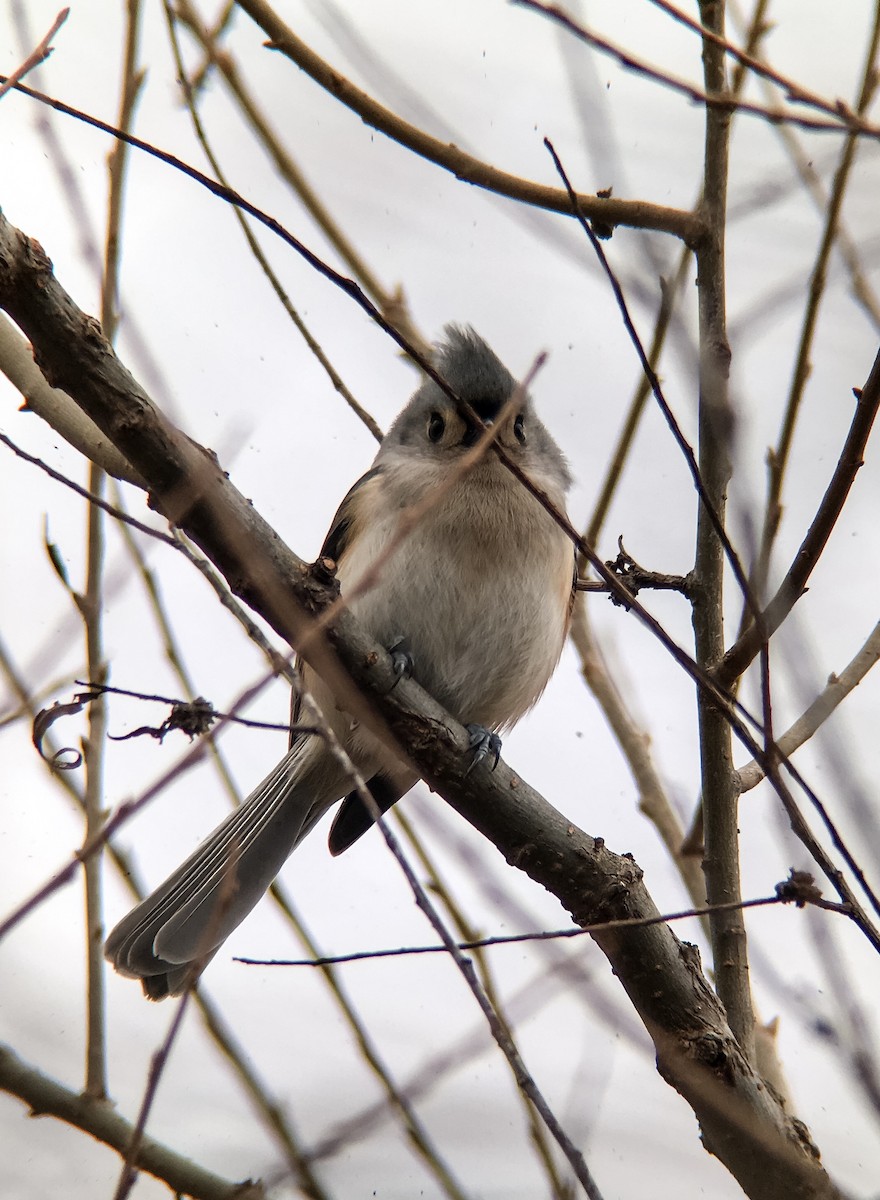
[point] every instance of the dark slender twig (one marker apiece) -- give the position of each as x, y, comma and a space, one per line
744, 649
518, 938
92, 498
651, 375
847, 121
122, 814
524, 1079
215, 713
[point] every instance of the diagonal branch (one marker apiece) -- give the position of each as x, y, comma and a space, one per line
47, 1097
814, 717
793, 586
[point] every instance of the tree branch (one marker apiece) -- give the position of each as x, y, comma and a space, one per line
721, 861
464, 166
814, 717
46, 1097
793, 586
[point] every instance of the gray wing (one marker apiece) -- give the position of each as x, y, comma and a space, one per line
336, 542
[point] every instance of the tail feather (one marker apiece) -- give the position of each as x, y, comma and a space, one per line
353, 820
187, 918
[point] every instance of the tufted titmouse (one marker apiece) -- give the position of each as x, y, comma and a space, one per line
480, 592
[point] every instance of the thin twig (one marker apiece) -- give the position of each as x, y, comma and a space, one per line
160, 1059
450, 157
39, 54
635, 745
398, 1099
497, 1026
779, 456
709, 505
539, 1137
392, 303
793, 586
92, 602
94, 746
519, 938
253, 245
44, 1096
814, 717
795, 92
845, 120
670, 291
809, 174
92, 497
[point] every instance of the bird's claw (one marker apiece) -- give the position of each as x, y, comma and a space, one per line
484, 744
402, 661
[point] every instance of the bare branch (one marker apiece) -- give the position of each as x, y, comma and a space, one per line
47, 1097
744, 649
721, 860
39, 54
814, 717
608, 211
845, 120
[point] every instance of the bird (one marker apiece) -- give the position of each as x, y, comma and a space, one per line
475, 602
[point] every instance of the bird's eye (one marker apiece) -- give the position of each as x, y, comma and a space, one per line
519, 428
436, 426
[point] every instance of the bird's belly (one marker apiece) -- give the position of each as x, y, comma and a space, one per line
484, 643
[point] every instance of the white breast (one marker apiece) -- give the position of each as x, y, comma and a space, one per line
480, 589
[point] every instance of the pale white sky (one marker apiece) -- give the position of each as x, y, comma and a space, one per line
225, 361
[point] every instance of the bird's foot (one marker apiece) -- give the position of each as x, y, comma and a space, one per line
402, 660
484, 744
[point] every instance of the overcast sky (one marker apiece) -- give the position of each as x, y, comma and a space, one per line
202, 330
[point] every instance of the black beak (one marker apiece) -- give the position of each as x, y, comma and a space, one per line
471, 434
